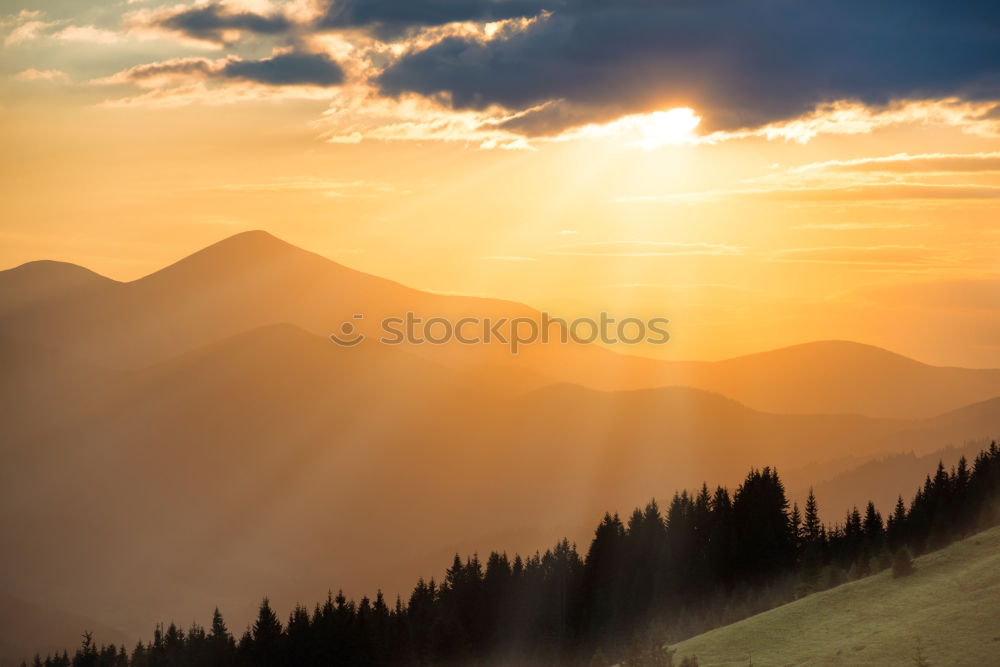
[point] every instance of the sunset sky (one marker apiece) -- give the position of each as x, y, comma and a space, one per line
827, 174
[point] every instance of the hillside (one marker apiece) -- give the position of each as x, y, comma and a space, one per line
947, 609
278, 422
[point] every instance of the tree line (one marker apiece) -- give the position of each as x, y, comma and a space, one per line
710, 558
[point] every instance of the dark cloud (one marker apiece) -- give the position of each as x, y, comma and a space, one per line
387, 18
288, 69
178, 67
208, 23
740, 63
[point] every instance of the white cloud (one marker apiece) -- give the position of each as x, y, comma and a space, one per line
24, 26
358, 113
87, 33
53, 75
846, 117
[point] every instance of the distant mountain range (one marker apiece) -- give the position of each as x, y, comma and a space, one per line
192, 439
253, 280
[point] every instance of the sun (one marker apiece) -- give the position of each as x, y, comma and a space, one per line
646, 130
662, 128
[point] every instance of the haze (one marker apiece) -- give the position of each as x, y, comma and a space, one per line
193, 197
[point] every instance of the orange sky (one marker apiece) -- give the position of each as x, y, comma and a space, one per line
876, 225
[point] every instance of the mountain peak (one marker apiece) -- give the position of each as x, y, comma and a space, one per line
241, 253
252, 240
253, 235
50, 269
46, 279
833, 352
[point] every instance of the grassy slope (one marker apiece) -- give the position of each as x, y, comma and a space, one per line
950, 608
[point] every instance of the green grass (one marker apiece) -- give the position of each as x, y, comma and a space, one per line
949, 609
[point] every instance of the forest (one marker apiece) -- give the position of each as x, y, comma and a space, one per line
655, 577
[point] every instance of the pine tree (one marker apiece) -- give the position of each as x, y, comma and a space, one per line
760, 516
872, 526
266, 637
812, 525
557, 608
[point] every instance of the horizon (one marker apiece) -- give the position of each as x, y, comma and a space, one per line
642, 352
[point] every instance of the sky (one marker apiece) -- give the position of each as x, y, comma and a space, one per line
761, 173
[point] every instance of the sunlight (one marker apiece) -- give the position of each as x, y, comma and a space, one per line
663, 128
647, 130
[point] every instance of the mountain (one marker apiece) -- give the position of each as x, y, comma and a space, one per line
253, 280
843, 377
882, 479
244, 282
939, 614
278, 462
198, 424
40, 283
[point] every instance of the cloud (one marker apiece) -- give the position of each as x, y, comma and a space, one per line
283, 69
316, 69
517, 73
852, 117
644, 249
881, 255
28, 26
391, 18
738, 63
219, 24
24, 26
855, 226
847, 193
903, 163
87, 33
357, 113
880, 192
649, 131
53, 75
166, 69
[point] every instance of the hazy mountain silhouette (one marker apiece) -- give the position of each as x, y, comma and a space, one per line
198, 424
882, 479
841, 376
278, 462
253, 279
39, 283
243, 282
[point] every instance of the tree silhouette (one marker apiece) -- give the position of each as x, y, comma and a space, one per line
713, 558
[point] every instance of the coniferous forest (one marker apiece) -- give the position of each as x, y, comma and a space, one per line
661, 574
